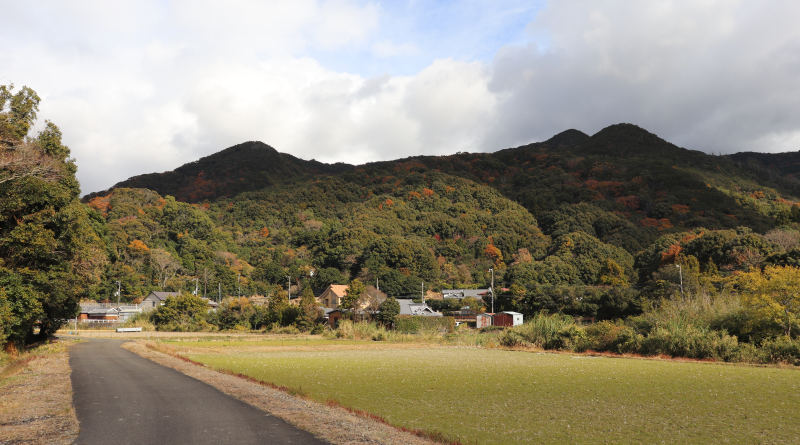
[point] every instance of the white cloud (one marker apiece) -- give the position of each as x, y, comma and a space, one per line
710, 75
147, 86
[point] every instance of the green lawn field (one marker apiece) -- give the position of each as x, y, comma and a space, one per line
503, 397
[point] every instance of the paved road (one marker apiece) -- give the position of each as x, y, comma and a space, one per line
122, 398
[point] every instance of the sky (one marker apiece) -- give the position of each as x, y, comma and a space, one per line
146, 86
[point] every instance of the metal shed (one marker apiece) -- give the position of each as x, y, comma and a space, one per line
483, 320
508, 318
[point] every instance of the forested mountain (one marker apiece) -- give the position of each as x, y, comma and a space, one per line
592, 219
583, 225
243, 167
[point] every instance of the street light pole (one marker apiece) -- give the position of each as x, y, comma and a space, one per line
680, 274
492, 288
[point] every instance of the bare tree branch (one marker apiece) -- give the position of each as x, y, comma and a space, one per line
25, 159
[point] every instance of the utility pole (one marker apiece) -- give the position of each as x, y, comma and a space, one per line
219, 293
680, 274
289, 287
195, 287
376, 284
239, 285
491, 289
119, 292
423, 292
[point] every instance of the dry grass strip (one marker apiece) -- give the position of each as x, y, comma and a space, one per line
36, 397
330, 422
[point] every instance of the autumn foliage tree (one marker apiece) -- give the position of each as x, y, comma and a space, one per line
772, 295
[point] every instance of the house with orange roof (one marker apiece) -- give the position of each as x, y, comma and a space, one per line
332, 296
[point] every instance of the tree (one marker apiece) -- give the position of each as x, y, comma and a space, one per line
310, 313
180, 312
389, 310
772, 295
165, 264
235, 312
50, 252
353, 293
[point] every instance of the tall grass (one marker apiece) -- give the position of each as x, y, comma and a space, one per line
545, 331
140, 320
703, 311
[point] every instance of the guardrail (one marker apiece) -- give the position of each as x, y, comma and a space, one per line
129, 329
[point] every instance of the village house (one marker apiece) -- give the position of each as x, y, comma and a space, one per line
332, 296
408, 307
94, 312
477, 294
156, 299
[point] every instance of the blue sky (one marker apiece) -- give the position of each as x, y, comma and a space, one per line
423, 31
140, 86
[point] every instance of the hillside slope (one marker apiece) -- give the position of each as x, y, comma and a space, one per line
243, 167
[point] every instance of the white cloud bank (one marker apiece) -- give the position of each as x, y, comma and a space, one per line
149, 86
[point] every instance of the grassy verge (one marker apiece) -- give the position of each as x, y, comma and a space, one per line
36, 396
495, 396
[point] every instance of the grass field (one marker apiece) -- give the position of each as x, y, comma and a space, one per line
494, 396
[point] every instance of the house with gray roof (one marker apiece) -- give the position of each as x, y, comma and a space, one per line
155, 299
478, 294
408, 307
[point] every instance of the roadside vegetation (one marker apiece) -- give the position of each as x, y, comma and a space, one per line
36, 395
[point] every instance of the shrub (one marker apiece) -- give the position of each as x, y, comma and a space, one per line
782, 350
687, 340
609, 336
544, 331
412, 325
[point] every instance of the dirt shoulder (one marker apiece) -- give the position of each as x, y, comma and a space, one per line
331, 423
36, 397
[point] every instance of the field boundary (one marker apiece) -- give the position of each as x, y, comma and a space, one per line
331, 421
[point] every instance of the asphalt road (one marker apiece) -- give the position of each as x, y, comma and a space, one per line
122, 398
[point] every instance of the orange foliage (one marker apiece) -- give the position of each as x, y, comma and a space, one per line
493, 253
413, 195
668, 256
638, 180
660, 224
264, 232
101, 203
389, 202
137, 246
427, 192
680, 209
631, 202
758, 194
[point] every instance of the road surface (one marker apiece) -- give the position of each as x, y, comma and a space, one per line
122, 398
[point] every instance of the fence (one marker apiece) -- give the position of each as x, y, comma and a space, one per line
93, 324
